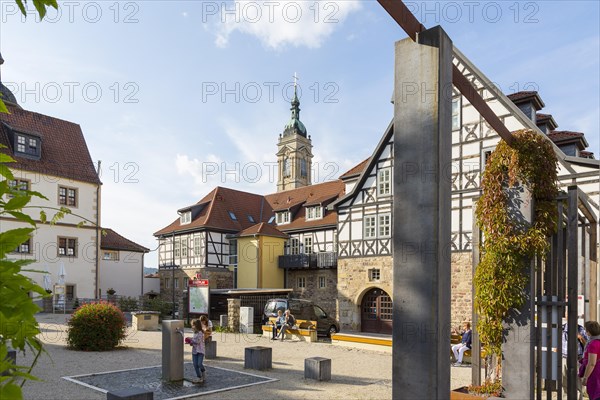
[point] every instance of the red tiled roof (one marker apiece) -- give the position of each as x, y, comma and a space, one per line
546, 119
586, 154
521, 97
539, 117
307, 194
111, 240
64, 152
263, 229
558, 136
355, 170
215, 214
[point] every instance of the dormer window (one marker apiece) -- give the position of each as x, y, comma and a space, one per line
185, 218
27, 146
232, 215
283, 217
314, 213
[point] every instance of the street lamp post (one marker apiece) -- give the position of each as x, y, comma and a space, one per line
173, 269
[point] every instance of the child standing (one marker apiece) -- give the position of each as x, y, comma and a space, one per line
197, 343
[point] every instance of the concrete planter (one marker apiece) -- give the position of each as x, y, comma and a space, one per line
145, 320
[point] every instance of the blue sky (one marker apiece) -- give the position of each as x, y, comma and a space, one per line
176, 97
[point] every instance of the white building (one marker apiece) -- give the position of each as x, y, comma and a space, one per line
121, 265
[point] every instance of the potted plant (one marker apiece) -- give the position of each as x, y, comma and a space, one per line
490, 389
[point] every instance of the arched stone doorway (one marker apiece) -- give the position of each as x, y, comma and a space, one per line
376, 312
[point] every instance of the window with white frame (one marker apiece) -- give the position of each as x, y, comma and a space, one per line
17, 185
322, 282
197, 246
67, 247
374, 274
184, 247
385, 225
308, 248
294, 246
186, 282
177, 246
176, 281
283, 217
485, 156
185, 218
233, 256
370, 223
167, 281
67, 196
110, 255
24, 248
301, 282
28, 146
384, 182
456, 113
314, 212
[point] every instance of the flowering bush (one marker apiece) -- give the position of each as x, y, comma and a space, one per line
96, 327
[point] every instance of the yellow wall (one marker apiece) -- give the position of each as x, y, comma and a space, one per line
247, 263
272, 275
258, 262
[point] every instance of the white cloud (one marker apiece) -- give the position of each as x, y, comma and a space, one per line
282, 23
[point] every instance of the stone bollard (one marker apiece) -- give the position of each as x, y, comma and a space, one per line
258, 357
210, 351
130, 394
318, 368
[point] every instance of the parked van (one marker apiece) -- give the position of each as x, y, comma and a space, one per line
303, 309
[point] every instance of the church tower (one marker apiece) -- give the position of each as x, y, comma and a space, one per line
294, 151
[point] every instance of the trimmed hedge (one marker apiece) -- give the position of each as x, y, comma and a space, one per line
96, 327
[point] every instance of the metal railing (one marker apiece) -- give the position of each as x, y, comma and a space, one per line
309, 261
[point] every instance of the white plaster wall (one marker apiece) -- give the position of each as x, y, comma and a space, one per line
124, 275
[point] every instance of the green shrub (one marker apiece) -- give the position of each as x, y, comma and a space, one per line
96, 327
128, 304
157, 304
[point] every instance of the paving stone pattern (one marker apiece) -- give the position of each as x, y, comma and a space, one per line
217, 379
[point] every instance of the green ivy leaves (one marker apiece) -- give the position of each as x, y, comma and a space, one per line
500, 278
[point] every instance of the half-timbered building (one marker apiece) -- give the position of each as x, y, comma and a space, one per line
365, 263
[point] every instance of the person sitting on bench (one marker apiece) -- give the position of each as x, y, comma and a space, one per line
290, 321
279, 322
465, 344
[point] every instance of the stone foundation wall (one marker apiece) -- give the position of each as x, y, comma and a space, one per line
218, 278
233, 314
325, 297
353, 283
461, 289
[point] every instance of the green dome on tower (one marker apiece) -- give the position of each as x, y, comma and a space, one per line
295, 125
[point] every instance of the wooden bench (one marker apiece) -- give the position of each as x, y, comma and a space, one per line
306, 331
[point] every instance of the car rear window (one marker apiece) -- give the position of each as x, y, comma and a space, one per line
273, 306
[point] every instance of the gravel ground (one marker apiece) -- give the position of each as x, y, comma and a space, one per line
356, 373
